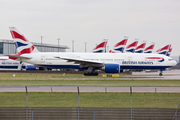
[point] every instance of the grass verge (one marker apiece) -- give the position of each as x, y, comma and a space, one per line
115, 100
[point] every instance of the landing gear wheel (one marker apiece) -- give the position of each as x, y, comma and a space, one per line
160, 74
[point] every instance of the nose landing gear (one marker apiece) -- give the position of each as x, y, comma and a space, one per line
160, 74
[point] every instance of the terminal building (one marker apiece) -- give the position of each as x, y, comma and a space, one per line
8, 47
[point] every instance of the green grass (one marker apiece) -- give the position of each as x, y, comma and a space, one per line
113, 100
144, 83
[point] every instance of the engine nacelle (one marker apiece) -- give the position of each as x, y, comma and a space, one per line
30, 67
112, 68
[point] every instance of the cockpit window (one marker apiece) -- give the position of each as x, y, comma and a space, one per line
171, 59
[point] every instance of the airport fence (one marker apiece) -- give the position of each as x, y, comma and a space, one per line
59, 113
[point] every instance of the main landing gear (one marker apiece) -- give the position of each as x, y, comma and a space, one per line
90, 72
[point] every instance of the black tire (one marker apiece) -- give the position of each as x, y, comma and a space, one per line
160, 74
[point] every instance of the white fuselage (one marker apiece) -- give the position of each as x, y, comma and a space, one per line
125, 60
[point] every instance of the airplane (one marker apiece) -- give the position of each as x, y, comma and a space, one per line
119, 47
140, 48
100, 48
110, 63
164, 50
8, 64
149, 49
131, 47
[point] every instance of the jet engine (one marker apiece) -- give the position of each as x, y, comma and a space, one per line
111, 68
30, 67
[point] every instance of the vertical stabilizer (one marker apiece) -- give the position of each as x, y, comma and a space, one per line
100, 48
140, 48
119, 47
22, 44
131, 47
164, 50
149, 49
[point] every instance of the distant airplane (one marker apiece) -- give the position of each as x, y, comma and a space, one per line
164, 50
100, 48
110, 63
149, 49
140, 48
131, 47
119, 47
8, 64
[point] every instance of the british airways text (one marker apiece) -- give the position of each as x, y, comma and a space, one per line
136, 62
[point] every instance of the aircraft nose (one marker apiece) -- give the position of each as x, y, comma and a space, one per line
174, 63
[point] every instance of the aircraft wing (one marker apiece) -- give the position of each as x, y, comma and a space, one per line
82, 62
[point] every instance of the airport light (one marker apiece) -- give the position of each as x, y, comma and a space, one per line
72, 45
107, 48
41, 42
85, 46
58, 44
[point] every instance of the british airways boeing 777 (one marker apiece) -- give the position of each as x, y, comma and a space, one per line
111, 63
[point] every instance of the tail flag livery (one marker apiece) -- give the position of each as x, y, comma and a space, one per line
119, 47
140, 48
164, 50
149, 49
100, 48
131, 47
22, 44
169, 52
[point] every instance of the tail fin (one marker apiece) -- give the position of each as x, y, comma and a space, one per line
140, 48
100, 48
164, 50
131, 47
149, 49
121, 45
23, 46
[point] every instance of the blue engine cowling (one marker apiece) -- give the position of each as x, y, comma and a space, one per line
30, 67
112, 68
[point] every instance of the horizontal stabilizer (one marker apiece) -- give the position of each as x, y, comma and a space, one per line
17, 56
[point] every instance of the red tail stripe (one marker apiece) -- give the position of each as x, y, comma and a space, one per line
27, 50
150, 47
103, 44
17, 35
165, 48
134, 44
123, 42
141, 46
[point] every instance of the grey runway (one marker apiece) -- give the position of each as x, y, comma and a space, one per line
88, 89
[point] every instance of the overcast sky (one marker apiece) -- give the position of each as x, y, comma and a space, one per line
92, 21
